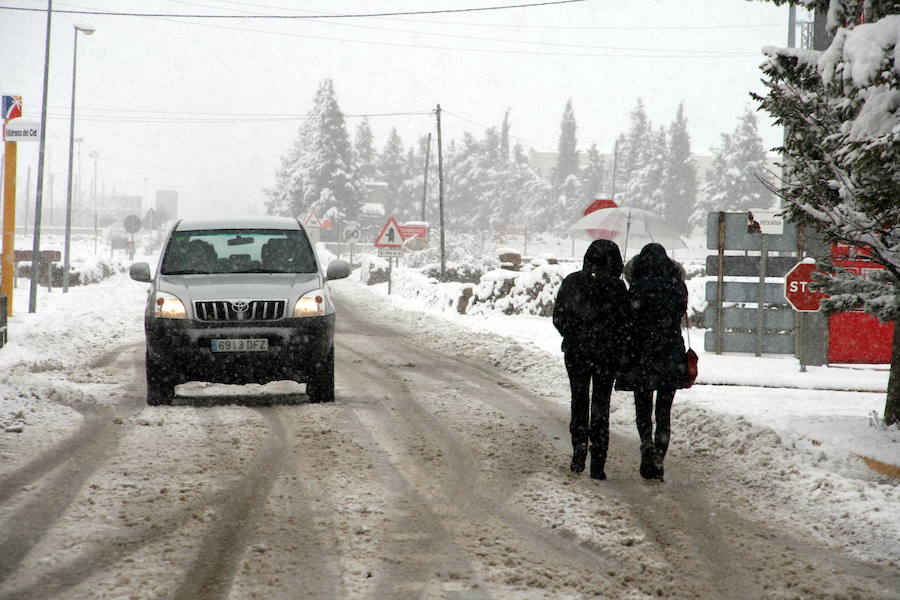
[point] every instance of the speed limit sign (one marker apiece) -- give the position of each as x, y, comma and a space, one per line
351, 231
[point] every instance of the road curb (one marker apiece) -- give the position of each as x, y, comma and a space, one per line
790, 387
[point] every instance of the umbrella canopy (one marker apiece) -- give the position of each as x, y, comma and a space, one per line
628, 227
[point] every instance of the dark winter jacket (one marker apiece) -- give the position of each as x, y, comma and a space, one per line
591, 309
654, 358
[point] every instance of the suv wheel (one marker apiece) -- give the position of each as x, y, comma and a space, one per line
160, 383
320, 387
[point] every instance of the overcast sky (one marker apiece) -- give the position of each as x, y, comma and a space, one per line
205, 106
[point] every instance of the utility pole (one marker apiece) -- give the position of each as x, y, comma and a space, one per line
36, 245
425, 178
441, 188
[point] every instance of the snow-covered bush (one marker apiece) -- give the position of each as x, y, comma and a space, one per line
83, 270
532, 291
372, 269
447, 296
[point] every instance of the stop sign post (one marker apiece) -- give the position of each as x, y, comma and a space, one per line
797, 289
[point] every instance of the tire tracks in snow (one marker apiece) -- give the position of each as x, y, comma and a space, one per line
712, 551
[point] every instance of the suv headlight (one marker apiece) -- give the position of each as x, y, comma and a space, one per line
168, 306
310, 304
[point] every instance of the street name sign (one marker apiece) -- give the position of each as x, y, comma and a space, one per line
22, 130
46, 256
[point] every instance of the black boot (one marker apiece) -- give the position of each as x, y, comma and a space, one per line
658, 457
647, 469
579, 455
598, 462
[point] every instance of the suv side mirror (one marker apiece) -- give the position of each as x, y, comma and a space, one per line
140, 272
338, 269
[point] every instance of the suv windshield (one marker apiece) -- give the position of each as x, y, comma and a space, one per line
238, 251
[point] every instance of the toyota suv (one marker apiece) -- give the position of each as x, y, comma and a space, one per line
239, 300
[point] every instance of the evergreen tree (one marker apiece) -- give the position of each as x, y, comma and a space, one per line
842, 145
680, 181
593, 177
365, 151
739, 179
504, 136
647, 185
320, 171
632, 157
392, 170
567, 158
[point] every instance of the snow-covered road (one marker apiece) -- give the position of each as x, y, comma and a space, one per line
439, 472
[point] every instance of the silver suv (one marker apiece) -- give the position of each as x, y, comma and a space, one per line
239, 300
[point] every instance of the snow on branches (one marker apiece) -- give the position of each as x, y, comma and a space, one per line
841, 110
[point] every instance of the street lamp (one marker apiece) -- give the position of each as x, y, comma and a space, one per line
87, 30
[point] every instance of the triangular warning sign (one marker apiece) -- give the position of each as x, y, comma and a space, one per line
390, 235
312, 221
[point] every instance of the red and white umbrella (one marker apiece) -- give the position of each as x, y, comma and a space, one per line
628, 227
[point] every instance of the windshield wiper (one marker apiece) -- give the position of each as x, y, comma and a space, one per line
186, 272
258, 270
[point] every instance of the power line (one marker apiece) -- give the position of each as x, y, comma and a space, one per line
523, 26
459, 49
108, 115
684, 51
298, 17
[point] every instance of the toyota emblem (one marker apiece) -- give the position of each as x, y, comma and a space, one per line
240, 306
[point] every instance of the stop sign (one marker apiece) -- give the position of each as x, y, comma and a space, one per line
797, 288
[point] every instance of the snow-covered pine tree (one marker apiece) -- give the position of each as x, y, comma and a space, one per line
567, 157
504, 136
593, 177
462, 182
392, 170
647, 185
740, 179
632, 157
365, 151
320, 171
680, 181
841, 112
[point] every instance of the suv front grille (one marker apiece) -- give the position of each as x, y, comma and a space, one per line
238, 310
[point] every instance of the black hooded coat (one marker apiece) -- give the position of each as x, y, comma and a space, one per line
654, 357
591, 309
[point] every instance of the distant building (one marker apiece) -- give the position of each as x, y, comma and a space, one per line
166, 206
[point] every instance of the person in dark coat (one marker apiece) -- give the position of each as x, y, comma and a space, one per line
590, 314
654, 359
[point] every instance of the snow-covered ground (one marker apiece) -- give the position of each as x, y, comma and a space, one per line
791, 434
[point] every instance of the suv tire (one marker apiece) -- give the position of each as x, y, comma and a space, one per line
160, 383
320, 388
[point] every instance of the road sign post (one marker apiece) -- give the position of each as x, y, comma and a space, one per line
804, 300
11, 110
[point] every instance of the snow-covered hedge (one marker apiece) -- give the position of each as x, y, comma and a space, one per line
372, 269
531, 292
83, 270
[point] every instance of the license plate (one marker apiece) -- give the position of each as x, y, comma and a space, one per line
240, 345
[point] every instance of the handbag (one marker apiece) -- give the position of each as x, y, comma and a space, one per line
690, 358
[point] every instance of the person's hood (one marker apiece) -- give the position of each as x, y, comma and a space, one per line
653, 262
603, 258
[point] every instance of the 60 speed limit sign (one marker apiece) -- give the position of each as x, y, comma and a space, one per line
351, 231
